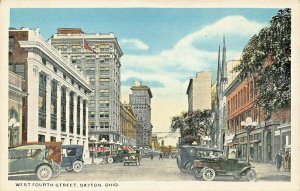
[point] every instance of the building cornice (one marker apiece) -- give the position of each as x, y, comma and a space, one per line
93, 37
58, 59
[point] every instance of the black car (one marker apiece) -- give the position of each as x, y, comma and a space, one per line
187, 154
72, 157
208, 167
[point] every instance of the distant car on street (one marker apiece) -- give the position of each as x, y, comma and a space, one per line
133, 157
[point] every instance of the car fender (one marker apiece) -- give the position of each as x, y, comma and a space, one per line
78, 160
187, 162
245, 169
48, 164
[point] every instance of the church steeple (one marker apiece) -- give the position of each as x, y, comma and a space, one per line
219, 77
224, 64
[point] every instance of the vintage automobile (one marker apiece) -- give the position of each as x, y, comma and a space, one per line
133, 157
117, 156
72, 158
32, 159
187, 154
208, 167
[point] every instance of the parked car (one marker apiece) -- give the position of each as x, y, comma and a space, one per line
72, 158
133, 157
207, 168
31, 159
118, 156
187, 154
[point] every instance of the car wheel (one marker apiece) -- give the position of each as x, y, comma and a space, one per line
77, 166
188, 167
110, 160
208, 174
197, 174
238, 177
69, 169
251, 175
44, 172
56, 169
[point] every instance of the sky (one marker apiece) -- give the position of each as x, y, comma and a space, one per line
163, 47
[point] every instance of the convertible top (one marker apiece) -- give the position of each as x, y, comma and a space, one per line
201, 148
24, 147
71, 146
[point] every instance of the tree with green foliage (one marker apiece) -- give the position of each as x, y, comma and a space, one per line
191, 124
267, 59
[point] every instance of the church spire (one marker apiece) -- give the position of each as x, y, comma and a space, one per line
224, 64
219, 69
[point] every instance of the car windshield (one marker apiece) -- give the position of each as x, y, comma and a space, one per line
26, 153
69, 152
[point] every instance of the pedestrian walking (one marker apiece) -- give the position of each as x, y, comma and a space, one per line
151, 156
279, 159
287, 161
160, 156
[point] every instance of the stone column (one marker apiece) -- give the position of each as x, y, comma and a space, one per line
58, 111
32, 102
67, 109
48, 106
75, 116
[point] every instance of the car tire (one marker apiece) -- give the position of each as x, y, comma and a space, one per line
44, 172
208, 174
69, 169
77, 166
56, 169
197, 174
237, 177
110, 160
188, 167
251, 175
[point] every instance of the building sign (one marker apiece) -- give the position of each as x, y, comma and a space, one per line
102, 149
277, 133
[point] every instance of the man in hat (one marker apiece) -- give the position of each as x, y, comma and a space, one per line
278, 159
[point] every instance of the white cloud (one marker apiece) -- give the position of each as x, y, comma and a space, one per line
171, 99
238, 25
134, 44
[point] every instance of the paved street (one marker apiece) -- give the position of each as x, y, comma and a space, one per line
159, 170
153, 170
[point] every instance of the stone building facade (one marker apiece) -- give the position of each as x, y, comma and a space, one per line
15, 105
199, 92
128, 125
98, 57
140, 100
56, 106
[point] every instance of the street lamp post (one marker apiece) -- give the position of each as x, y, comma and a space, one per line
249, 126
93, 140
111, 143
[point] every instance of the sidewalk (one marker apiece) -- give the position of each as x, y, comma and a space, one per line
268, 171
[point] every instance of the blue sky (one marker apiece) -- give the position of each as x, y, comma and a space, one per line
162, 47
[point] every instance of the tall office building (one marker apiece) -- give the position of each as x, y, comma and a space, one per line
199, 92
98, 56
140, 100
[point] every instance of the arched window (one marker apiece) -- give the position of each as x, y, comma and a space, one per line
13, 114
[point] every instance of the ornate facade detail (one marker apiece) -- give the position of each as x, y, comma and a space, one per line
35, 70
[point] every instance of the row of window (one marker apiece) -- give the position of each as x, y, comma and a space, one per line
234, 125
101, 47
42, 107
241, 98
